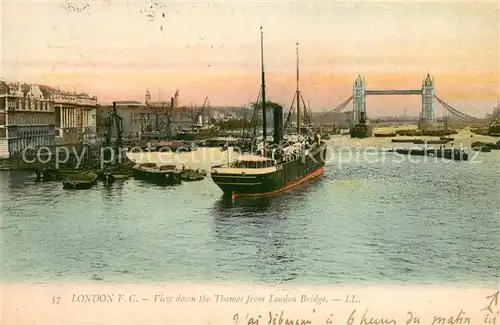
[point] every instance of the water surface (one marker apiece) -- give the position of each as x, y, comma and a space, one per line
361, 222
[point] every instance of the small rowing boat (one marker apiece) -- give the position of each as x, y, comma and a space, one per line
79, 181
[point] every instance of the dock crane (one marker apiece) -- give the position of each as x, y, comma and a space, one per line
200, 113
113, 120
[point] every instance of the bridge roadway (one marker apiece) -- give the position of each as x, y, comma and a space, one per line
394, 92
388, 119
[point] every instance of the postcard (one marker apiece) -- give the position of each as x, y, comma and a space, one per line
249, 162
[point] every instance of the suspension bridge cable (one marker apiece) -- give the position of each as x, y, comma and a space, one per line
341, 106
453, 110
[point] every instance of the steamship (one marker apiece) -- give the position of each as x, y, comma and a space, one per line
362, 129
287, 161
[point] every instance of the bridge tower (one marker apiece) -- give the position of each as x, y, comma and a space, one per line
359, 99
428, 114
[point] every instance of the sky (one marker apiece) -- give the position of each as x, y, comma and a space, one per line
116, 49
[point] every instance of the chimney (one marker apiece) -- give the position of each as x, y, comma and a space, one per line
171, 102
278, 123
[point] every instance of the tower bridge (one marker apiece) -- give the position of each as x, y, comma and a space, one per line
427, 93
394, 92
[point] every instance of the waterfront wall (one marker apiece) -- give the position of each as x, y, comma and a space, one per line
4, 148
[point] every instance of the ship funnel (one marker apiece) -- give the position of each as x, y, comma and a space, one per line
171, 102
278, 123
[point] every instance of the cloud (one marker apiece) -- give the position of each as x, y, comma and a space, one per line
115, 49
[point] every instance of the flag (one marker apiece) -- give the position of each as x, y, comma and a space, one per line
224, 147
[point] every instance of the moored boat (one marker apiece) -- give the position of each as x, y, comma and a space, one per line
48, 174
197, 132
488, 146
116, 175
190, 175
277, 166
481, 149
384, 135
425, 141
222, 141
452, 154
254, 175
55, 174
80, 181
173, 146
403, 140
166, 174
362, 129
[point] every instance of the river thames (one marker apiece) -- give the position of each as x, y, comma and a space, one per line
365, 221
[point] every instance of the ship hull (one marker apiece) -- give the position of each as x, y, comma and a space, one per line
287, 176
195, 136
365, 131
157, 177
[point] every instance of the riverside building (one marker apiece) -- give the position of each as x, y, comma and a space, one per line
75, 114
26, 118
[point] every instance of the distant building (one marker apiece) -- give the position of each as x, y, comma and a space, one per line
228, 113
150, 117
26, 118
172, 103
130, 114
139, 119
180, 119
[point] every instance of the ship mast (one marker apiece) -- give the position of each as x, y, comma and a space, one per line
264, 124
298, 93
